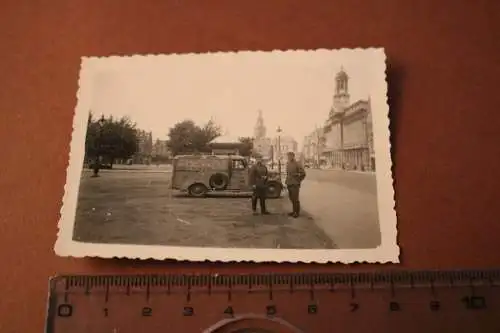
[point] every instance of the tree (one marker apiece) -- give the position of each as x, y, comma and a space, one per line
247, 146
208, 132
186, 136
91, 138
111, 138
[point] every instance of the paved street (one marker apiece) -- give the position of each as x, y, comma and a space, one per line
344, 205
131, 206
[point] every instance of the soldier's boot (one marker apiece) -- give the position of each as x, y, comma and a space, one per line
254, 204
296, 209
263, 209
294, 206
293, 209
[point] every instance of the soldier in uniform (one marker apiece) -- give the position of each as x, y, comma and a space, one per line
96, 166
258, 181
295, 174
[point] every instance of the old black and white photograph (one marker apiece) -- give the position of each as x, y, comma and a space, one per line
277, 156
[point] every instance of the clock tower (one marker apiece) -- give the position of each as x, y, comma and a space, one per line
341, 99
260, 128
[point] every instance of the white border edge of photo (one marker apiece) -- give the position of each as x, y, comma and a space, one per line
387, 252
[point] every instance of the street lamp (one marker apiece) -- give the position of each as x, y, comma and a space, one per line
97, 163
278, 130
272, 153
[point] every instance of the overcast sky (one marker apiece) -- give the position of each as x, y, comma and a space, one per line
294, 90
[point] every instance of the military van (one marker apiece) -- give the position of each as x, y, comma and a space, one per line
201, 175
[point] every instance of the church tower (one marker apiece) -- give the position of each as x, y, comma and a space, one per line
341, 99
259, 129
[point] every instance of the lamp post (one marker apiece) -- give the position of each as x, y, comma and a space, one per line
271, 152
97, 163
279, 149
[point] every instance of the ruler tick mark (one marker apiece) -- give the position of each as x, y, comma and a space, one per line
229, 291
188, 294
87, 287
106, 292
66, 288
471, 287
433, 289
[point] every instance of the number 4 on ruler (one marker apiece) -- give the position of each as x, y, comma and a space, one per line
229, 311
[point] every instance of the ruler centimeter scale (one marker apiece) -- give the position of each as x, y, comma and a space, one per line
409, 301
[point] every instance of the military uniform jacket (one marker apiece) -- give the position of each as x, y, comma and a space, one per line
258, 175
295, 173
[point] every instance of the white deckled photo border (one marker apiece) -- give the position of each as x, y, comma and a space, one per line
387, 252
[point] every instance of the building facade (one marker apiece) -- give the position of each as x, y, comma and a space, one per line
348, 131
272, 149
307, 153
281, 145
160, 150
144, 148
313, 147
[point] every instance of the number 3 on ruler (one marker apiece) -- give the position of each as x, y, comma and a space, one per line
147, 312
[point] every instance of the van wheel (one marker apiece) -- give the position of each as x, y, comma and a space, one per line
273, 190
219, 181
197, 190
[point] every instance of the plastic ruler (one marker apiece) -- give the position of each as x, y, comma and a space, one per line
396, 301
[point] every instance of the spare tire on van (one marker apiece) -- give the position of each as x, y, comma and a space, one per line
218, 181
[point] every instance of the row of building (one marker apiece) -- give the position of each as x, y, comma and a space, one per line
345, 141
272, 148
149, 150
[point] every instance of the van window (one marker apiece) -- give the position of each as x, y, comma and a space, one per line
238, 164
